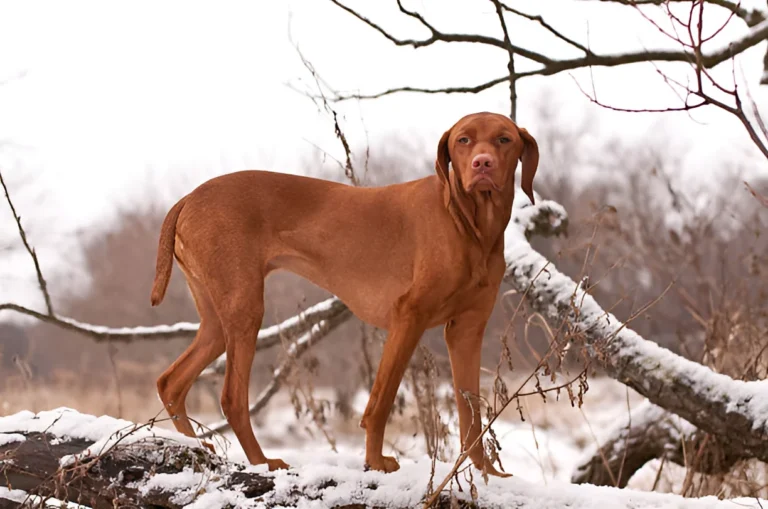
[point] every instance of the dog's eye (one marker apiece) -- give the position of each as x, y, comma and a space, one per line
503, 139
463, 140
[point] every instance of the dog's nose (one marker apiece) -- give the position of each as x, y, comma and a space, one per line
482, 162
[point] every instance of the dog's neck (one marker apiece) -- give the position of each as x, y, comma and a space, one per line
481, 215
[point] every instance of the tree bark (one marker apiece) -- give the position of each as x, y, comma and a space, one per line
108, 480
650, 432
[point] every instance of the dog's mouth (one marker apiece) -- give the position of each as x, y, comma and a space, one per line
482, 182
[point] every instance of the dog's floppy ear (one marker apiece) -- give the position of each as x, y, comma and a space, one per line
443, 158
530, 159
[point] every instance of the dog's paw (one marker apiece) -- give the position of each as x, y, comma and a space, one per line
386, 464
277, 464
487, 467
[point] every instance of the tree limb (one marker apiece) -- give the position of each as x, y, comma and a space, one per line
551, 66
732, 410
540, 20
268, 336
447, 90
510, 61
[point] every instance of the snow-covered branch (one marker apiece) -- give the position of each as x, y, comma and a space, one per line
736, 412
268, 337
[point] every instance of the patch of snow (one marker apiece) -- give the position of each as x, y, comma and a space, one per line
184, 485
322, 479
133, 331
105, 431
9, 438
21, 497
310, 486
15, 495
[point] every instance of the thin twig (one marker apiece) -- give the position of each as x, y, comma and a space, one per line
510, 62
349, 170
40, 279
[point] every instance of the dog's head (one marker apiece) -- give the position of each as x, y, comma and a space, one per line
484, 149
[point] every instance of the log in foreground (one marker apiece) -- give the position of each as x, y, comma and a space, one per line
104, 462
733, 411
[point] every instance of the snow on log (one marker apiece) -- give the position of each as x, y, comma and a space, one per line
734, 411
104, 462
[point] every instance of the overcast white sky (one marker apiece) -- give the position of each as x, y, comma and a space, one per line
120, 104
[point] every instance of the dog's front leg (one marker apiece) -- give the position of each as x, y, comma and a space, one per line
401, 341
464, 337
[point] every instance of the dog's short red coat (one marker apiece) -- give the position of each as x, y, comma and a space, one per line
403, 257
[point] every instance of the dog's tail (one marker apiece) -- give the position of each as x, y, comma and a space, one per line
165, 253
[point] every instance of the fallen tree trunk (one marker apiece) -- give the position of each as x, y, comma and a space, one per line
650, 432
733, 411
119, 477
105, 463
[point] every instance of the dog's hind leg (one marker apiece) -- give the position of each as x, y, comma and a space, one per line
240, 306
174, 384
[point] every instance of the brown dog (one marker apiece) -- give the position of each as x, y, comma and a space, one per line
404, 257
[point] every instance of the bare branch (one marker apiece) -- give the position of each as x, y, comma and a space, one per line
447, 90
757, 35
437, 36
40, 279
694, 28
593, 99
760, 197
540, 20
349, 170
510, 61
709, 60
750, 17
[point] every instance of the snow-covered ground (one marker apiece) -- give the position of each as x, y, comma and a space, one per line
541, 453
